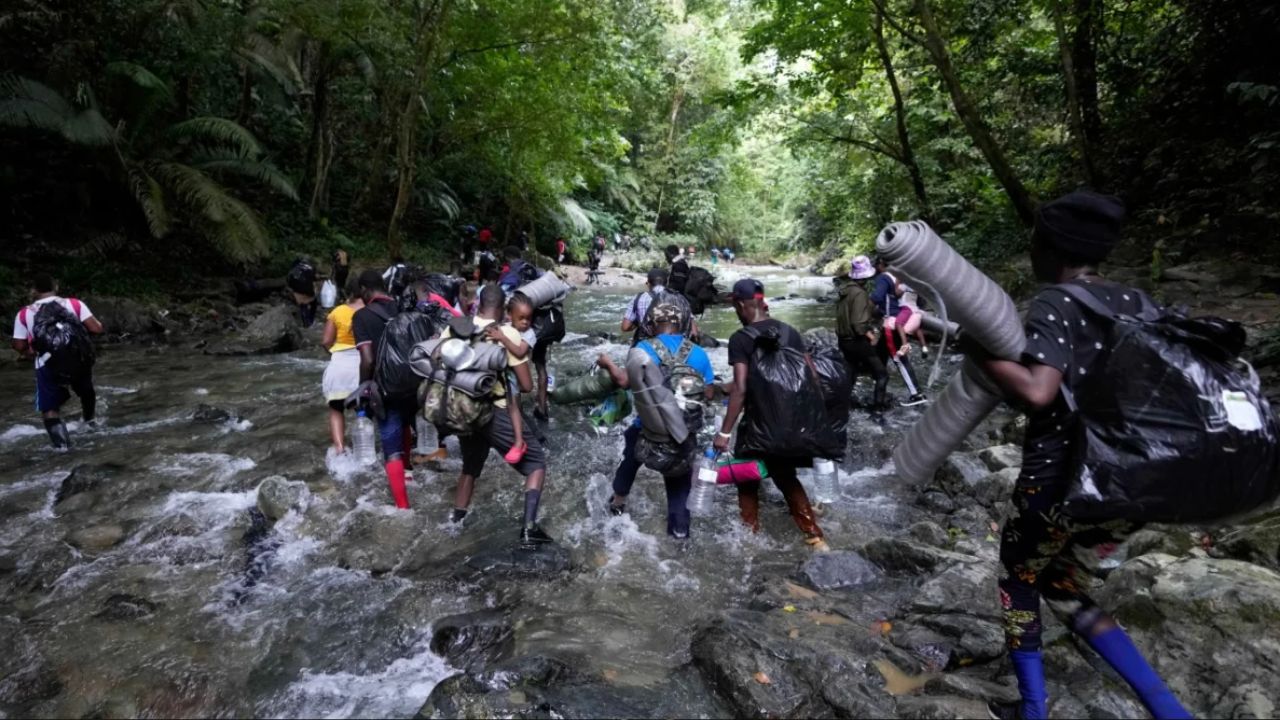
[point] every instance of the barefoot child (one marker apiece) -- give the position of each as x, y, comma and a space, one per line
520, 318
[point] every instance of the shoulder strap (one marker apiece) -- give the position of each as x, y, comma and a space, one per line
376, 309
1087, 300
22, 318
686, 349
75, 307
664, 354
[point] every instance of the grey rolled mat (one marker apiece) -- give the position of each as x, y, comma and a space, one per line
476, 383
986, 312
588, 388
655, 403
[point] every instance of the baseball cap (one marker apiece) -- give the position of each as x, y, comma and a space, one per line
748, 289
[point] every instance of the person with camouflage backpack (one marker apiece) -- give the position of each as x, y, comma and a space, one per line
54, 331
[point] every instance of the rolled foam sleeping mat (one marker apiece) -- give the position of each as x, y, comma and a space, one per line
986, 312
420, 357
588, 388
934, 324
655, 403
475, 383
547, 289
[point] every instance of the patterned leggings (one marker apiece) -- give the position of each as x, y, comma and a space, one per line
1045, 553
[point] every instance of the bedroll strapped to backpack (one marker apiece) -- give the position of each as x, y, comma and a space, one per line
786, 411
57, 332
1174, 427
458, 399
668, 398
392, 367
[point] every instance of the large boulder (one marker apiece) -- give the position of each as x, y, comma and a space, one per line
903, 555
376, 541
277, 496
274, 331
96, 538
1001, 457
834, 570
126, 318
473, 640
545, 561
1207, 625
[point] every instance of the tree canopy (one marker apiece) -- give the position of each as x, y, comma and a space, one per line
244, 131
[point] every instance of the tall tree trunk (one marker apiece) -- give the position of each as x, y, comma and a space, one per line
1088, 16
677, 100
319, 152
430, 19
900, 112
246, 96
1074, 117
978, 130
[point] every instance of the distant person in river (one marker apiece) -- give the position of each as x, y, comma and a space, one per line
675, 353
301, 281
1044, 552
54, 332
562, 251
678, 274
342, 374
858, 331
753, 312
885, 298
499, 435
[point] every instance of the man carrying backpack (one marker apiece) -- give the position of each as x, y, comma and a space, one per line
54, 331
678, 276
679, 358
302, 283
499, 433
639, 317
767, 432
1045, 551
383, 338
856, 329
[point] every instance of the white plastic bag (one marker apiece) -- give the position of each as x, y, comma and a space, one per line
328, 294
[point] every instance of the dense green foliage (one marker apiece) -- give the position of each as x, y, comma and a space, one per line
241, 132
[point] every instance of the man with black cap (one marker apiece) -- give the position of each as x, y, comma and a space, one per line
1044, 553
753, 313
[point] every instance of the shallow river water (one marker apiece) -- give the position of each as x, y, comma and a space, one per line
175, 614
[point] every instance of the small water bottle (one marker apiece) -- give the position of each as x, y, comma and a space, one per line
362, 440
702, 496
428, 441
551, 382
824, 481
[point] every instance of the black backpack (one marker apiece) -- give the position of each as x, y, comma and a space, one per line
1173, 426
548, 324
786, 412
302, 278
678, 278
392, 370
837, 385
60, 334
700, 290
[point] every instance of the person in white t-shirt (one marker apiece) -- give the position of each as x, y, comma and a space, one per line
56, 380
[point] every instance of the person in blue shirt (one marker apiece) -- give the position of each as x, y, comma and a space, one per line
667, 322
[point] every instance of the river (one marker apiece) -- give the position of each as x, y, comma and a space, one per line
140, 596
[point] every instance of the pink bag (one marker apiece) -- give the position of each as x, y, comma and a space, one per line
733, 471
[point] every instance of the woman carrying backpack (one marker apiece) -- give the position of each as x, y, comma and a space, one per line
1045, 552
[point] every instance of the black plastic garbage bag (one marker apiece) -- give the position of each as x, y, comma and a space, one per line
786, 412
1173, 427
837, 387
666, 456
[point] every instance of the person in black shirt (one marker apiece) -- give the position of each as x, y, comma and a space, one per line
395, 428
748, 301
678, 275
1044, 552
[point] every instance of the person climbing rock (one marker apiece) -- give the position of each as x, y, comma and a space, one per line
1044, 553
676, 354
54, 332
885, 296
744, 354
499, 433
857, 330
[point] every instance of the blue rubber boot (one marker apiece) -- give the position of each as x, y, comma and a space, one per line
1029, 667
1114, 645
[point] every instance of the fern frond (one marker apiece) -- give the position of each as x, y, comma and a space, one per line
274, 60
141, 77
229, 224
571, 216
257, 170
217, 131
150, 197
89, 128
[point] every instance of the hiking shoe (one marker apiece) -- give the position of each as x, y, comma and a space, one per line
539, 415
617, 510
1004, 711
531, 536
817, 544
917, 399
457, 515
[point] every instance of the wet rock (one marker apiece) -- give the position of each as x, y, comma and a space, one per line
708, 341
123, 317
473, 640
820, 337
274, 331
376, 542
969, 686
903, 555
936, 501
1002, 457
755, 676
210, 414
26, 676
834, 570
1168, 541
96, 538
277, 496
545, 561
1257, 542
961, 471
8, 564
122, 606
996, 487
968, 587
1208, 627
82, 479
929, 533
944, 707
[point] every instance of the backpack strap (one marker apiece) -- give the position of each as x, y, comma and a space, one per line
76, 305
22, 319
686, 349
1087, 300
663, 352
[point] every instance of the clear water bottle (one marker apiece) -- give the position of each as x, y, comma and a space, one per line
551, 382
824, 481
703, 494
362, 440
428, 440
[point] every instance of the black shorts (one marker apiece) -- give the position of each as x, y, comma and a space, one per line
540, 351
500, 435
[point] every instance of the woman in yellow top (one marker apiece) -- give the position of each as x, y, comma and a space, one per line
342, 376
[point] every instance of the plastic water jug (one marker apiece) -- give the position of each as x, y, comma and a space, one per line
428, 440
702, 496
362, 440
824, 481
